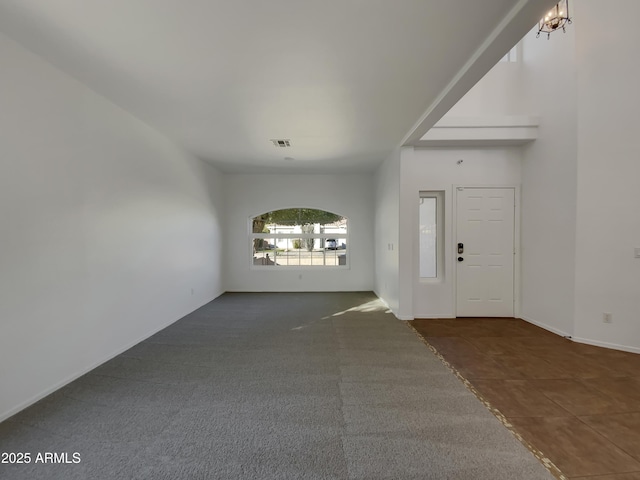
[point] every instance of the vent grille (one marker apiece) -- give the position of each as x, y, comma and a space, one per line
281, 143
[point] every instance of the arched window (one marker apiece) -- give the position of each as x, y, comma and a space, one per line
298, 237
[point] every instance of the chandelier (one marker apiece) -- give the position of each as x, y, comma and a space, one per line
556, 18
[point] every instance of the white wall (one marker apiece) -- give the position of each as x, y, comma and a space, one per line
549, 182
105, 229
542, 83
579, 178
608, 223
437, 169
498, 93
351, 195
387, 234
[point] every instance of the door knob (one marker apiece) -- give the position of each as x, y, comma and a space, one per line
460, 259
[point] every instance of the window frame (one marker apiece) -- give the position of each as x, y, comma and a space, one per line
301, 236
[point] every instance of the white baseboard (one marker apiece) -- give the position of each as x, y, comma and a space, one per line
587, 341
428, 316
613, 346
47, 391
545, 326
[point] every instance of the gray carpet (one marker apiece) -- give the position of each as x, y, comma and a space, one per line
271, 386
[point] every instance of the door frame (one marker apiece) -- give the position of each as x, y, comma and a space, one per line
516, 243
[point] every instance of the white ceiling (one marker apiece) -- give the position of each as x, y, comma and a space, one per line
346, 81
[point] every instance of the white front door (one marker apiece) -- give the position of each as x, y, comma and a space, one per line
485, 252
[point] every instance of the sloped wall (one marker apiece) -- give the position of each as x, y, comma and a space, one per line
109, 233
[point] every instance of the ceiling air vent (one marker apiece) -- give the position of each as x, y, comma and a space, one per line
282, 143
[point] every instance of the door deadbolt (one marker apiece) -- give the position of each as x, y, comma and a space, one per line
461, 248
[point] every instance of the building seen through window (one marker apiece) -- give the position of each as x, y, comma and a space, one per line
298, 237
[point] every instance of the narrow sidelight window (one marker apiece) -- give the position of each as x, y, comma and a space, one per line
430, 232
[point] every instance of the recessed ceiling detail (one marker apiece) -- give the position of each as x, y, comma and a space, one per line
282, 143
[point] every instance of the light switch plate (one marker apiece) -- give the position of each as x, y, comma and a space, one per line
636, 252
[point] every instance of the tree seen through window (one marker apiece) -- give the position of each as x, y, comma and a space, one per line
299, 237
